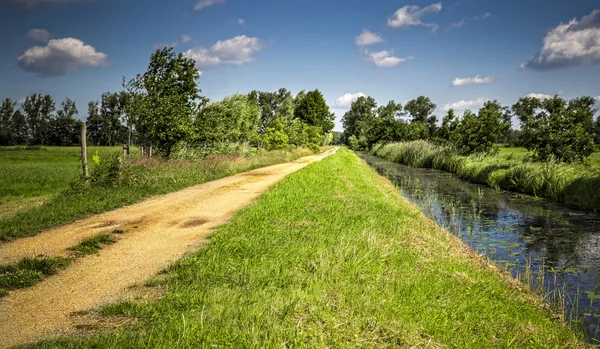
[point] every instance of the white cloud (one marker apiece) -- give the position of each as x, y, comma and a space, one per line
344, 101
41, 35
597, 99
483, 16
385, 59
234, 51
472, 80
458, 24
240, 21
410, 15
31, 4
200, 4
464, 21
368, 38
61, 56
540, 96
464, 105
571, 44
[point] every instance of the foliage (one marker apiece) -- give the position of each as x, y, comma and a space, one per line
421, 111
361, 112
274, 137
38, 110
270, 104
65, 129
165, 98
314, 111
555, 128
235, 119
480, 133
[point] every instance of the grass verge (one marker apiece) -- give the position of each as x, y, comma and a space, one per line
92, 245
28, 272
158, 177
332, 256
573, 185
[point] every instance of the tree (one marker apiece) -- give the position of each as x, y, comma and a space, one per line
234, 119
421, 111
6, 122
479, 133
112, 112
391, 111
96, 129
362, 111
19, 128
166, 98
314, 111
555, 128
38, 113
449, 125
274, 137
269, 103
65, 129
597, 131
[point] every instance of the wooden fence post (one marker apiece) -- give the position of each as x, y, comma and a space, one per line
84, 152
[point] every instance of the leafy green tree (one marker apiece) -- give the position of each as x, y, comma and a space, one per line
274, 137
38, 111
19, 128
65, 129
96, 125
555, 128
391, 111
6, 122
269, 103
421, 111
597, 130
362, 111
353, 142
232, 120
479, 133
166, 98
314, 111
449, 125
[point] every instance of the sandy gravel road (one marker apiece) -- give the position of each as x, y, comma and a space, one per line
158, 231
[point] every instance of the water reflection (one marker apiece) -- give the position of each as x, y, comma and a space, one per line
556, 247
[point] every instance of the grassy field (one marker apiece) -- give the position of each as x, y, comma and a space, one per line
147, 178
574, 185
518, 153
358, 267
30, 177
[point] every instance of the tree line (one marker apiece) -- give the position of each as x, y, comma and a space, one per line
163, 107
552, 128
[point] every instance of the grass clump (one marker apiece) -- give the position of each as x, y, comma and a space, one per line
28, 272
332, 256
117, 184
92, 245
574, 185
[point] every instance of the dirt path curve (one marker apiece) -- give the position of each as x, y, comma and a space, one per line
158, 231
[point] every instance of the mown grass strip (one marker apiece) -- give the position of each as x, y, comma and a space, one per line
92, 245
333, 257
161, 177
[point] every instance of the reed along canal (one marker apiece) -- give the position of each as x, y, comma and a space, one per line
554, 248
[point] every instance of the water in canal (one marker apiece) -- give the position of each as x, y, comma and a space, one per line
534, 239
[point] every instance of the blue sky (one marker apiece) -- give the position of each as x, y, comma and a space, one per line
458, 53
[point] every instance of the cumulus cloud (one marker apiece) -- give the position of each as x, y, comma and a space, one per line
240, 21
200, 4
464, 105
571, 44
410, 15
385, 59
540, 96
61, 56
344, 101
41, 35
368, 38
31, 4
472, 80
597, 99
234, 51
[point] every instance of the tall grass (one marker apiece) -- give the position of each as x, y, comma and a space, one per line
574, 185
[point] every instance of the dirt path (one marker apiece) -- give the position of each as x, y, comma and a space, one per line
158, 231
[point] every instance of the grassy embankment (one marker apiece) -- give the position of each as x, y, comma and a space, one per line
332, 256
574, 185
47, 174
